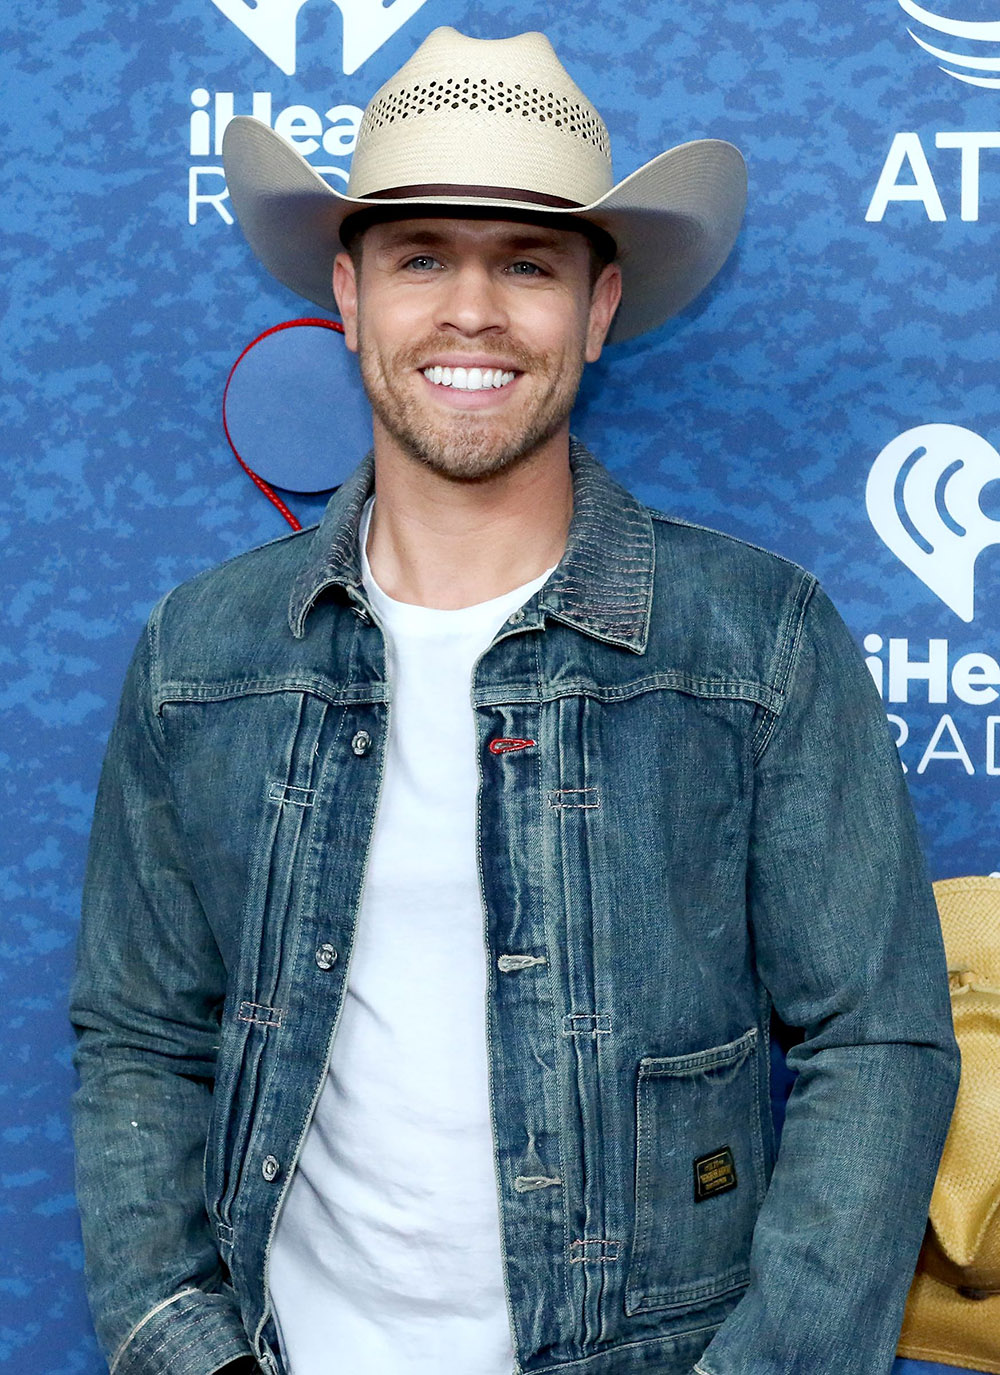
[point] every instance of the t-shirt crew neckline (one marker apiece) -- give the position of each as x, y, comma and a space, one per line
416, 620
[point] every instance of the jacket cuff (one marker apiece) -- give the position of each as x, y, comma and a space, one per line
193, 1333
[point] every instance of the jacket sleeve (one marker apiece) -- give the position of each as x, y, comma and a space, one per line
848, 943
146, 1005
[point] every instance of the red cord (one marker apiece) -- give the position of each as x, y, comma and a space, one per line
259, 482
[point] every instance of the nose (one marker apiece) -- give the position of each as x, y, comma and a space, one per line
471, 301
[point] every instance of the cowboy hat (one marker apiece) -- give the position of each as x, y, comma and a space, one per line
953, 1310
494, 124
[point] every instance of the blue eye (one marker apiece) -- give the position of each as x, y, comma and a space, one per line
526, 269
423, 262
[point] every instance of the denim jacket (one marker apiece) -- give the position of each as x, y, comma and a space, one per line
705, 823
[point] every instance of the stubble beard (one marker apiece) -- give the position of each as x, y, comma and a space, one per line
462, 446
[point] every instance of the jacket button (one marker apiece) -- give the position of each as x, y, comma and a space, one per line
516, 617
361, 743
326, 956
269, 1168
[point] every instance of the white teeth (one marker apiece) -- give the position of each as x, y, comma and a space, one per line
469, 379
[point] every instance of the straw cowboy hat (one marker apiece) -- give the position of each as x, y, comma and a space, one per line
953, 1310
494, 124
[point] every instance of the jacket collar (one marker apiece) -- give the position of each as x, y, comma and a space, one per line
603, 585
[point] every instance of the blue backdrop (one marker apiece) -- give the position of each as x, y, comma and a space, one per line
832, 397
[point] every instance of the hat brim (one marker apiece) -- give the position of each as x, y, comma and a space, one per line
941, 1325
675, 220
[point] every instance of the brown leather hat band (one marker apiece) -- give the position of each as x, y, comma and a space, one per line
486, 193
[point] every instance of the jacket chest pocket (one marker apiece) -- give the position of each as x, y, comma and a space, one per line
699, 1177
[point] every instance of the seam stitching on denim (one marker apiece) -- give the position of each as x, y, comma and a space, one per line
609, 1249
272, 1015
587, 1024
157, 1308
557, 794
287, 792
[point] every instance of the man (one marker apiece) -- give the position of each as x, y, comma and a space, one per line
450, 859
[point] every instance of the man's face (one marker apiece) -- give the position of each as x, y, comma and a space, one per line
472, 336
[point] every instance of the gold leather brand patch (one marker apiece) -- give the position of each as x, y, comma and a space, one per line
714, 1174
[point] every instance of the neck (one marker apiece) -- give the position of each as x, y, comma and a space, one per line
440, 542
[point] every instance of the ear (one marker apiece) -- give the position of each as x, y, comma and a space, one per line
604, 301
345, 290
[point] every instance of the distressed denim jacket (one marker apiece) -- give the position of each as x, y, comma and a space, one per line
706, 823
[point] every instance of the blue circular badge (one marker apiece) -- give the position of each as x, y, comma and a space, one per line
294, 409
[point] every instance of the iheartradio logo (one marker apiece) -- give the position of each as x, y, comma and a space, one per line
923, 498
271, 26
970, 45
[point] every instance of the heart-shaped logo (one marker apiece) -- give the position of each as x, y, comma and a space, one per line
923, 500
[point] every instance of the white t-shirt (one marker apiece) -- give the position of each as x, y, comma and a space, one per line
386, 1259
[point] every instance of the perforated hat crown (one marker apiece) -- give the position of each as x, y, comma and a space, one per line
467, 113
494, 124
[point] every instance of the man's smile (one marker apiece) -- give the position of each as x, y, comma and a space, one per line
469, 379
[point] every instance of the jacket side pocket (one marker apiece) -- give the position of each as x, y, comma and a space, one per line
699, 1176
